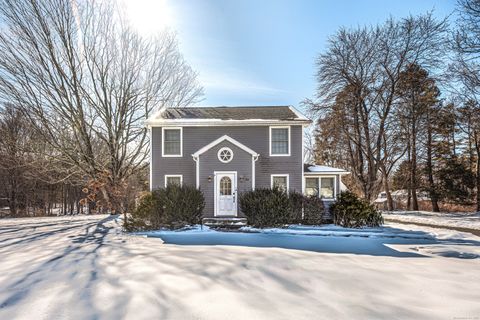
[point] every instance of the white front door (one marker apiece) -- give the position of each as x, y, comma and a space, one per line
225, 193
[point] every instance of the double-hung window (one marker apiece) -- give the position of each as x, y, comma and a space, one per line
280, 181
172, 142
173, 180
279, 141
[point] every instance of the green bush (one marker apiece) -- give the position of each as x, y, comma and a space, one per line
181, 205
274, 207
266, 207
313, 210
172, 207
352, 212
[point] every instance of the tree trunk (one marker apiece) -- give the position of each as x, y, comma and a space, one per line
386, 187
432, 189
413, 167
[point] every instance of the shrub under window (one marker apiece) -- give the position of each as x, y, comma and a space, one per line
172, 207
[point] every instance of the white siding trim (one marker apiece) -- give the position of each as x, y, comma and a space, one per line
197, 172
173, 176
280, 175
254, 159
221, 139
289, 142
151, 158
181, 142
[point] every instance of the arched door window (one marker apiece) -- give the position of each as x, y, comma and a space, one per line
225, 186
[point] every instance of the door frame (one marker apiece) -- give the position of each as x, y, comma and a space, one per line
215, 191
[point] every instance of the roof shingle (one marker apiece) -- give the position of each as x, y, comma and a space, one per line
284, 113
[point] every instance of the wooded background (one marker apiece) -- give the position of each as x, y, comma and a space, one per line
397, 104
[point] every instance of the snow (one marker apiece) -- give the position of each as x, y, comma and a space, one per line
467, 220
85, 267
325, 169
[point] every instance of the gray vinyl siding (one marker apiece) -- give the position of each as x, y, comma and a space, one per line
254, 137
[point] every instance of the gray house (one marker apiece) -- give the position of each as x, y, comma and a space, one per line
227, 150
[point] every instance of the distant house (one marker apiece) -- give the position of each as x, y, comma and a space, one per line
399, 198
228, 150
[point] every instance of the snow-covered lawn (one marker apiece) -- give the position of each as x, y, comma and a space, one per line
86, 268
469, 220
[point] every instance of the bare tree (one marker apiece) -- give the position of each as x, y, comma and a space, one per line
466, 69
87, 80
358, 81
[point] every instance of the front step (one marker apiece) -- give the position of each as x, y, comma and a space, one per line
225, 222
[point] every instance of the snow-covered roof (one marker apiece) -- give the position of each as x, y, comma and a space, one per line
318, 169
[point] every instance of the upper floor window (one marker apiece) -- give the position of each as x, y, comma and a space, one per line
280, 181
279, 141
172, 142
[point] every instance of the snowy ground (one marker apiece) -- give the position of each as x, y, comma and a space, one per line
469, 220
86, 268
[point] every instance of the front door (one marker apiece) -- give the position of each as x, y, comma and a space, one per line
225, 193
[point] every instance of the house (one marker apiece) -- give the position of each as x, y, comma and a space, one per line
228, 150
400, 199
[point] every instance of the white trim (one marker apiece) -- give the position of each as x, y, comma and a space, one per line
197, 172
302, 164
223, 122
280, 175
181, 142
223, 138
325, 173
225, 149
289, 141
299, 115
215, 191
151, 158
254, 159
173, 176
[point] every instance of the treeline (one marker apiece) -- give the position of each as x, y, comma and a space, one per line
74, 94
398, 106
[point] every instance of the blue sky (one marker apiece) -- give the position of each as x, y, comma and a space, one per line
262, 52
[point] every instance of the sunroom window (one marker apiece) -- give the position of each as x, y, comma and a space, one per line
327, 188
311, 186
323, 187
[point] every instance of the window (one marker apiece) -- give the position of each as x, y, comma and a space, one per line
280, 181
225, 155
172, 142
311, 186
173, 179
279, 141
323, 187
225, 186
327, 188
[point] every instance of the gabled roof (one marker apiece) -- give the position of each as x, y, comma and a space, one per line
221, 139
228, 115
313, 169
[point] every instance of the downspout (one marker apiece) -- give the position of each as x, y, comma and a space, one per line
254, 159
197, 171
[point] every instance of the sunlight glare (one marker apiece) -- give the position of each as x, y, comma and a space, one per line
149, 16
